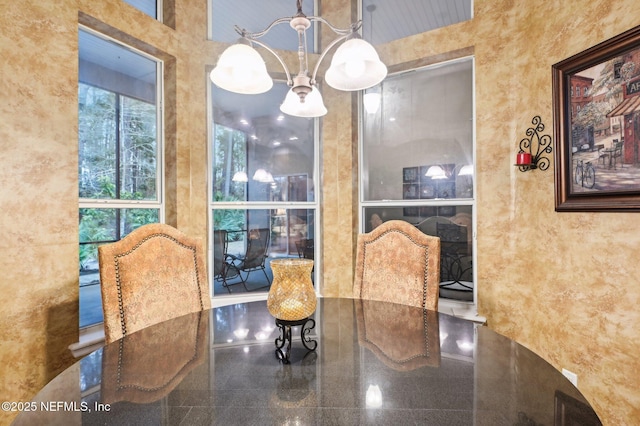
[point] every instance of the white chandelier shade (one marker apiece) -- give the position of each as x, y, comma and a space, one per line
355, 66
312, 106
241, 69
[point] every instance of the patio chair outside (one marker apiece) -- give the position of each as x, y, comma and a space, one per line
254, 258
220, 266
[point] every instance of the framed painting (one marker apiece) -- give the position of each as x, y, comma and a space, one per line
410, 174
596, 112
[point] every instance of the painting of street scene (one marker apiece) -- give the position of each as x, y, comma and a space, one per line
604, 108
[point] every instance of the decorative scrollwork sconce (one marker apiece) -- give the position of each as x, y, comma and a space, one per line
530, 156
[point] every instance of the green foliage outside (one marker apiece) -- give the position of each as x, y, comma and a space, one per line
114, 166
229, 157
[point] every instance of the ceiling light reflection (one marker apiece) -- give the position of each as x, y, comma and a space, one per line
262, 335
464, 345
373, 398
241, 333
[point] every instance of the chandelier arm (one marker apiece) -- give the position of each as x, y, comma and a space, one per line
340, 31
286, 69
343, 34
246, 34
324, 53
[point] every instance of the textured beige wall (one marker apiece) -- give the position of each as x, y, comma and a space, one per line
564, 285
38, 165
38, 246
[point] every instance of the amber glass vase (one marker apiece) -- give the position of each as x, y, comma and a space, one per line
291, 297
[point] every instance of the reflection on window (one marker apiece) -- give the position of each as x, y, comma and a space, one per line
454, 226
263, 204
419, 143
254, 145
418, 164
118, 170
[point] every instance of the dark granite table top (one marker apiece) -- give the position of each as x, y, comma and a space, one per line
375, 363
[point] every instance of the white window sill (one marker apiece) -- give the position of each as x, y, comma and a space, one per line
91, 338
464, 310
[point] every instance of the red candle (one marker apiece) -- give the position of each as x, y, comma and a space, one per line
523, 158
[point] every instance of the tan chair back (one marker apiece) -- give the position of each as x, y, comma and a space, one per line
398, 263
153, 274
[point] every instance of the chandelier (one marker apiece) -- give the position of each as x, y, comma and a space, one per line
355, 66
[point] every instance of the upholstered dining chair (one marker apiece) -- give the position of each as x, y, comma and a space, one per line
396, 262
153, 274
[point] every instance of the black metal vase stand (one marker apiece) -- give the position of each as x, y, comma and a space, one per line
285, 337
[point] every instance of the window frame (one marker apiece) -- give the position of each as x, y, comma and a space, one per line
225, 299
364, 204
159, 203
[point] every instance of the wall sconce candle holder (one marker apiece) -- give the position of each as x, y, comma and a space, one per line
533, 147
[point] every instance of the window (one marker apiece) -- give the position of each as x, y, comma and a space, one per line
617, 69
119, 165
417, 163
150, 7
262, 180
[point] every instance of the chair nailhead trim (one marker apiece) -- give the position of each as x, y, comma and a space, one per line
426, 261
123, 321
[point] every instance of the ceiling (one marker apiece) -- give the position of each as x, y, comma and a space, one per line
384, 21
